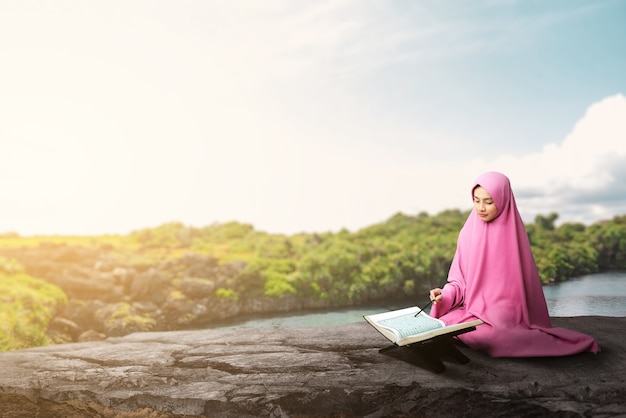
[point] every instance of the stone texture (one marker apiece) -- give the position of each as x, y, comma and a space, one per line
305, 372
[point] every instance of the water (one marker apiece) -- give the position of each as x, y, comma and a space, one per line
602, 294
305, 319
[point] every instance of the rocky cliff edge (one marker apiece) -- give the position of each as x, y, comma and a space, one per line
306, 372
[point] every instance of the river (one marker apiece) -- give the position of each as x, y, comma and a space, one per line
601, 294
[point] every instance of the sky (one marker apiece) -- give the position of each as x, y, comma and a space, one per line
307, 116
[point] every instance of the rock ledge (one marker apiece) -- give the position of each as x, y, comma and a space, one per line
306, 372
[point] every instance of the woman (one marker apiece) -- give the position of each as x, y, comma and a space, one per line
493, 277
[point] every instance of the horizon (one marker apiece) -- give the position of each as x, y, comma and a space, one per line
558, 223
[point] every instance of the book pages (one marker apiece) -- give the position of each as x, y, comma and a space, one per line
409, 324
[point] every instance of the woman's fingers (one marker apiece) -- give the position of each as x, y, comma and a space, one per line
435, 295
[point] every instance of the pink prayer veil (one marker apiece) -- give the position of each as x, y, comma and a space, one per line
493, 277
499, 264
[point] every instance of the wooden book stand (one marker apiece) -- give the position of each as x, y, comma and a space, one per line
430, 353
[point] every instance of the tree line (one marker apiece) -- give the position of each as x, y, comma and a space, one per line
399, 258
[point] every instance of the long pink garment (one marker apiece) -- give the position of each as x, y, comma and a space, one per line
493, 277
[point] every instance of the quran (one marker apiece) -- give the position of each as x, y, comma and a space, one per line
402, 327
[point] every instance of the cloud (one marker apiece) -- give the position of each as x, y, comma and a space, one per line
583, 178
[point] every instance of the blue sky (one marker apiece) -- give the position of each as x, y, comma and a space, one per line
305, 116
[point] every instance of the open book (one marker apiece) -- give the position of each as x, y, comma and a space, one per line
402, 327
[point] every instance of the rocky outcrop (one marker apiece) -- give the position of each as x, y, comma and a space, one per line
306, 372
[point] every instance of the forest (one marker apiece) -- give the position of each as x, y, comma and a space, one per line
228, 266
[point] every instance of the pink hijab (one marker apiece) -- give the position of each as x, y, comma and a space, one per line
493, 277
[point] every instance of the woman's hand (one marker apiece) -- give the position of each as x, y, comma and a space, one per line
435, 295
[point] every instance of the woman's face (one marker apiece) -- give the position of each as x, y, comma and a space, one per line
484, 205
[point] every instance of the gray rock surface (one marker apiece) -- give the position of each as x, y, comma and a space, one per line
305, 372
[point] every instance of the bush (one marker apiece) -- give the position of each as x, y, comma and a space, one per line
27, 305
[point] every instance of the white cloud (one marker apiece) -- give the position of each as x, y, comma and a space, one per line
583, 177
